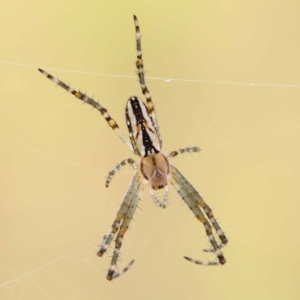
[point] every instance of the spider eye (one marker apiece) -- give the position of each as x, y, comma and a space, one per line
158, 187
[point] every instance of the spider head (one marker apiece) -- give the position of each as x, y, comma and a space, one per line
155, 168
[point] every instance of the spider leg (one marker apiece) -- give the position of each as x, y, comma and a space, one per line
131, 191
202, 262
199, 200
118, 274
174, 153
117, 168
86, 99
187, 192
212, 219
221, 245
197, 196
141, 75
128, 215
164, 203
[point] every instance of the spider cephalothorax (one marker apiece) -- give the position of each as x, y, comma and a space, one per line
154, 169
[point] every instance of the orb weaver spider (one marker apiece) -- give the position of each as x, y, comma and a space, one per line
153, 169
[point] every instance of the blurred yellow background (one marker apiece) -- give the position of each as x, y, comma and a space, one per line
224, 75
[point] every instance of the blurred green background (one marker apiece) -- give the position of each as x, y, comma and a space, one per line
224, 75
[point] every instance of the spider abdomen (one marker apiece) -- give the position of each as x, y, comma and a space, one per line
141, 128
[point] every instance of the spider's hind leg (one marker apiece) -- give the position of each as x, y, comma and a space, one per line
141, 74
86, 99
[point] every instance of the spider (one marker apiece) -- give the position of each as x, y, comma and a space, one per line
153, 169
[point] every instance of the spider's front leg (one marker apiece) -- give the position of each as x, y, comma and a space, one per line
196, 198
194, 201
120, 225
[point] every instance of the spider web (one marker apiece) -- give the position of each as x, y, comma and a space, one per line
55, 208
83, 257
14, 287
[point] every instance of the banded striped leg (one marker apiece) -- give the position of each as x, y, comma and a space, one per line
213, 221
124, 207
221, 245
185, 190
111, 274
193, 194
164, 203
117, 168
141, 75
86, 99
174, 153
